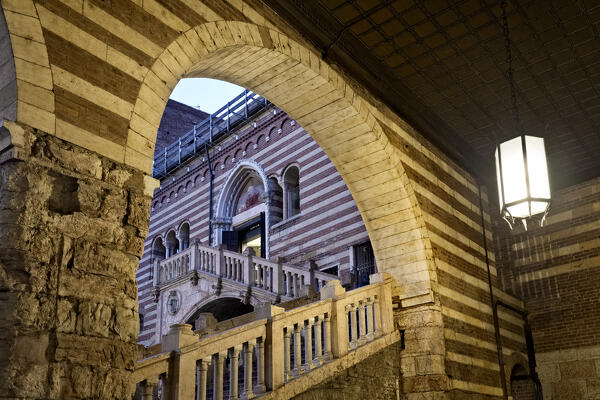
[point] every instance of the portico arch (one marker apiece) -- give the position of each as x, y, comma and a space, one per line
339, 119
94, 304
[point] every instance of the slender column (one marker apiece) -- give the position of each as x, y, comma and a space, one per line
308, 345
353, 328
233, 372
362, 322
148, 389
260, 366
220, 261
327, 337
249, 394
370, 319
297, 348
295, 283
218, 378
378, 320
318, 337
202, 368
286, 353
289, 284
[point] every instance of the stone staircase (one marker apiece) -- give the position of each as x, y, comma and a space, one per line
282, 352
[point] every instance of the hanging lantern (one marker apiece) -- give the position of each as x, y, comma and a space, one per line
523, 184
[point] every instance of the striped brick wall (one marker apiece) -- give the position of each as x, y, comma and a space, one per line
329, 222
449, 200
555, 269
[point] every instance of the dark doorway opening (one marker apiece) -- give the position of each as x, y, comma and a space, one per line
364, 262
250, 234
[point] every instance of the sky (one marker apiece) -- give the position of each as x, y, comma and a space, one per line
206, 94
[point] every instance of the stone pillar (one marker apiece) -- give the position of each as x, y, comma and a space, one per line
327, 337
370, 332
202, 381
351, 308
362, 320
318, 344
308, 344
249, 349
287, 335
148, 388
260, 366
297, 349
72, 231
233, 372
219, 359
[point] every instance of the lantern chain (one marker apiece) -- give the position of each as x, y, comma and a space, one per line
509, 63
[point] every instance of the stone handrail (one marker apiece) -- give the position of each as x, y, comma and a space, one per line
248, 270
273, 346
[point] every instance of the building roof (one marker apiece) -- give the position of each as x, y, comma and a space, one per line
177, 120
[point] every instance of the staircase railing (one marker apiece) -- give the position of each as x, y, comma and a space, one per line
238, 110
280, 347
247, 270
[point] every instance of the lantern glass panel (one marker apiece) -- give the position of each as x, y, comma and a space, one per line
538, 171
498, 180
513, 174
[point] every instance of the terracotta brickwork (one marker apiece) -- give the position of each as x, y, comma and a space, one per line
554, 270
329, 222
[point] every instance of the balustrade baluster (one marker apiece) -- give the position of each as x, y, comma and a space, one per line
351, 308
148, 388
308, 365
318, 342
377, 319
201, 370
362, 322
370, 332
219, 359
289, 284
249, 394
327, 337
260, 366
287, 334
298, 348
234, 371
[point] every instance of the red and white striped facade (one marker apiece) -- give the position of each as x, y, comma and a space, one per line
324, 231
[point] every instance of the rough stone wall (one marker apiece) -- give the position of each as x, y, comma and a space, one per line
72, 228
555, 270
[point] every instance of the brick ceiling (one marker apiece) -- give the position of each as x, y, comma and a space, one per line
441, 65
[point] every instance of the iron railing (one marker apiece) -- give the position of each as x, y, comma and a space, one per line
237, 111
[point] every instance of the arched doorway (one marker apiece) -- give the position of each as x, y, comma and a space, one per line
244, 209
522, 386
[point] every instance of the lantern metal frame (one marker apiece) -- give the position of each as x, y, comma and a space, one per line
506, 215
505, 212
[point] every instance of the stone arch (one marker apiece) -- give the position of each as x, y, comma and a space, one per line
222, 305
34, 105
231, 186
338, 118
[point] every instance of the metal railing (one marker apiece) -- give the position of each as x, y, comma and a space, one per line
237, 111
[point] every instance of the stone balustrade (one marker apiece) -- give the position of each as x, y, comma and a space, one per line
245, 269
279, 347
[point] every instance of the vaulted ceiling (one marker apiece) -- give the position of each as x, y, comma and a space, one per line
441, 64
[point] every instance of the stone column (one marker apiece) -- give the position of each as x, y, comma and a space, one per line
362, 320
287, 353
318, 345
202, 381
233, 372
370, 332
72, 231
353, 325
297, 349
290, 284
249, 349
219, 359
148, 388
308, 344
260, 366
327, 337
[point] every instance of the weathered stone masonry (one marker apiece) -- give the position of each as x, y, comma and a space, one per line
72, 225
